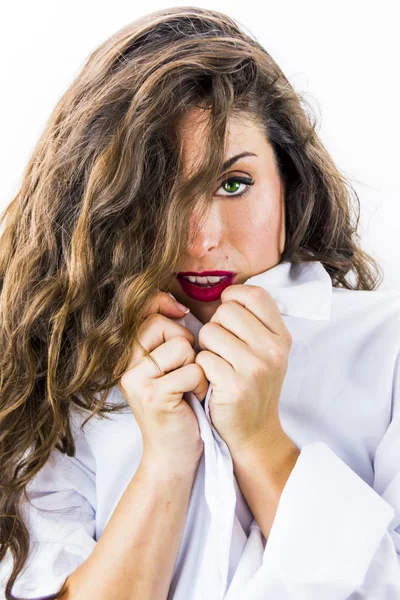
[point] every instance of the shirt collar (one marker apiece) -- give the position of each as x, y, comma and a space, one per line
300, 290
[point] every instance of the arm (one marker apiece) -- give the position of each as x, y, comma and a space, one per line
332, 535
61, 519
136, 554
262, 472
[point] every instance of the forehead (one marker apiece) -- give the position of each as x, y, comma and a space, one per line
242, 134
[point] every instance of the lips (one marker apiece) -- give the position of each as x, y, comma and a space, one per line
204, 273
205, 294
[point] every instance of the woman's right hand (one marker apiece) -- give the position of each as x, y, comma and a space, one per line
170, 430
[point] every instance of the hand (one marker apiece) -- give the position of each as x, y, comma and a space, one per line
244, 354
169, 427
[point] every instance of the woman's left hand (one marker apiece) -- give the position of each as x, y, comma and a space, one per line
244, 354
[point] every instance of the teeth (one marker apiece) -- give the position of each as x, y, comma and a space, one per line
205, 280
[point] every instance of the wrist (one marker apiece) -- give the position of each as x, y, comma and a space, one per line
164, 470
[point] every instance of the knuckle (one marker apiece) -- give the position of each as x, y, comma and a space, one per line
257, 368
277, 355
226, 305
257, 293
190, 354
199, 370
181, 341
155, 318
205, 328
123, 383
183, 346
130, 377
288, 337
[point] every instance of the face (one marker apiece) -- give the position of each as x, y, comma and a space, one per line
245, 233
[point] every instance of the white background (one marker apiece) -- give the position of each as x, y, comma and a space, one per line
343, 54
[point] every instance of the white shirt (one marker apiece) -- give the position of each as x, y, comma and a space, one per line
336, 532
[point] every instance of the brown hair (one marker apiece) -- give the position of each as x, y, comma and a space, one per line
101, 220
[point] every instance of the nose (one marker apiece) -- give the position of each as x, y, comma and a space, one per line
208, 236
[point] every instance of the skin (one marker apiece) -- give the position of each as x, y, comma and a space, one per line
245, 234
244, 343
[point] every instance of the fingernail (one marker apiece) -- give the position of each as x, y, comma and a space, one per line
182, 307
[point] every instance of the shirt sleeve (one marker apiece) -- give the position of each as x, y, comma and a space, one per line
334, 536
61, 520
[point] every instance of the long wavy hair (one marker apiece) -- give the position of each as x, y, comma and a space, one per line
100, 222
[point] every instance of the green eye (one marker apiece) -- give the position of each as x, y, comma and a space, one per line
231, 185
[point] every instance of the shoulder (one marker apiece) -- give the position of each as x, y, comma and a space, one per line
373, 311
360, 340
386, 298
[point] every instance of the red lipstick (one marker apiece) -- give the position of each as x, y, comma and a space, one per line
205, 294
204, 273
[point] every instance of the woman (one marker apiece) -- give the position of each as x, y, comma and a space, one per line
248, 449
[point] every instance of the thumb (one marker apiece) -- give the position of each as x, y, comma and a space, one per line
165, 304
178, 305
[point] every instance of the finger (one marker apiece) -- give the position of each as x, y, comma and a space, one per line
189, 378
171, 356
259, 302
155, 331
164, 304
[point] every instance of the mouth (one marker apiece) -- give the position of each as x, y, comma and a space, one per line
205, 290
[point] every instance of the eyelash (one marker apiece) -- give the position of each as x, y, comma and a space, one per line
245, 180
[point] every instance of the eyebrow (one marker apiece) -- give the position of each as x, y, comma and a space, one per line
233, 159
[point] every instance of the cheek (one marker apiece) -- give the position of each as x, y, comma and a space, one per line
256, 227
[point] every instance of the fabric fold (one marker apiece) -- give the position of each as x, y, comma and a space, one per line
336, 531
343, 520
